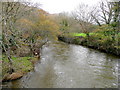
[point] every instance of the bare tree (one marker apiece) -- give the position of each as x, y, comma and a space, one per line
11, 12
105, 13
83, 15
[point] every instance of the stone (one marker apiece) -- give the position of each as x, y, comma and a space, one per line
13, 76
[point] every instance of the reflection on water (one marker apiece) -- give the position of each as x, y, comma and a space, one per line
71, 66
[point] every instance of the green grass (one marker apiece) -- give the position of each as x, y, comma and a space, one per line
92, 33
81, 34
78, 34
22, 64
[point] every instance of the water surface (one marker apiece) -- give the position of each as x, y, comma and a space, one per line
71, 66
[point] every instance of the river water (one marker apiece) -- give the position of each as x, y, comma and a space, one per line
71, 66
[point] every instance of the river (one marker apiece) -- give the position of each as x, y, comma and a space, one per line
71, 66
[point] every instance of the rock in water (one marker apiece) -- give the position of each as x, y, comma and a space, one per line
13, 76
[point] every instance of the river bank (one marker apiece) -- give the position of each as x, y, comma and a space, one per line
21, 66
107, 47
22, 62
65, 65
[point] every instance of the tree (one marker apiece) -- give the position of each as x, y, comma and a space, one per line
37, 29
11, 12
67, 23
106, 13
116, 14
64, 22
83, 16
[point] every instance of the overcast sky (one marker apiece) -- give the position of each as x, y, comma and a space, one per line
57, 6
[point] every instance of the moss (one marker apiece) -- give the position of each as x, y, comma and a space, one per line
22, 64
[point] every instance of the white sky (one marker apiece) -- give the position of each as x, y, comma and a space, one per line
57, 6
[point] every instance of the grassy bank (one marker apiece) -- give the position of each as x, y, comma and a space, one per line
103, 41
80, 34
20, 64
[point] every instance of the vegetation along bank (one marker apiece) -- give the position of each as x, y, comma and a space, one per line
26, 28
